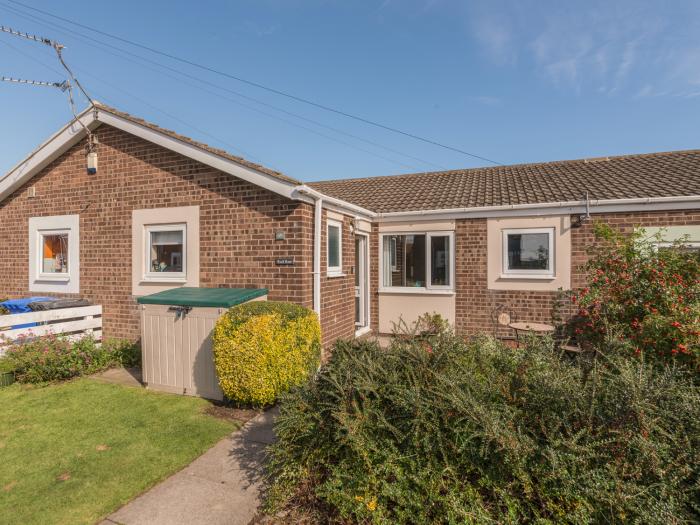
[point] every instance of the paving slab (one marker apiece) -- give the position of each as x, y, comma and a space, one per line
121, 376
221, 487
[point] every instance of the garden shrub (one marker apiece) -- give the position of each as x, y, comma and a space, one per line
263, 348
456, 432
54, 357
641, 299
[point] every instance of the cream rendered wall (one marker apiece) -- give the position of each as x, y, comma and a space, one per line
409, 307
562, 254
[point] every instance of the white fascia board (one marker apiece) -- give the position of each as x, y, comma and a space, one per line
200, 155
41, 157
556, 208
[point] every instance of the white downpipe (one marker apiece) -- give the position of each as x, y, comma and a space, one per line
318, 214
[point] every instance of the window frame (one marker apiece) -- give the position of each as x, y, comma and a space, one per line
62, 277
507, 272
429, 287
334, 271
164, 277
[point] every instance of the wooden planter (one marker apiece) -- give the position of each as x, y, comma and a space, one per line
7, 378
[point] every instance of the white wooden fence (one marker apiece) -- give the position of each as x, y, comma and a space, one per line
74, 323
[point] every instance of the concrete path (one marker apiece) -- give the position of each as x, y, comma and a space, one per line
223, 486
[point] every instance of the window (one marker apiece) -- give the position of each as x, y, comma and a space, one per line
335, 247
417, 261
54, 264
528, 252
166, 252
54, 253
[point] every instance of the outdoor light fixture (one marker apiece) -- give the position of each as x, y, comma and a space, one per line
578, 220
92, 163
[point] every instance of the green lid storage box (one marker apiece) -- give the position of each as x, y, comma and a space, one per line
176, 330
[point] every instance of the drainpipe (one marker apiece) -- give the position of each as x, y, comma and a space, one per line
318, 214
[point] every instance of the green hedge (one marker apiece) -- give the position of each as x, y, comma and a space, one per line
450, 432
263, 348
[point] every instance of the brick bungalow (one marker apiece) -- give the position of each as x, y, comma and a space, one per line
164, 211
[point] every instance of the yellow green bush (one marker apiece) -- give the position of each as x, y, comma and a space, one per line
264, 348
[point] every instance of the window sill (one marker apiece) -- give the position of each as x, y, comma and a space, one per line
525, 276
331, 275
163, 280
416, 291
53, 278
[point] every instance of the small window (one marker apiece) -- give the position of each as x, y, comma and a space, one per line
54, 253
335, 250
440, 260
165, 251
417, 261
528, 251
394, 266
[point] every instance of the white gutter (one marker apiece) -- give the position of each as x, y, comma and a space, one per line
545, 208
343, 205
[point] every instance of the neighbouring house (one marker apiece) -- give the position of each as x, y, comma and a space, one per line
164, 211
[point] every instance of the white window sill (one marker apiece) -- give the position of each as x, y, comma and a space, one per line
54, 278
336, 274
416, 291
164, 280
362, 331
526, 276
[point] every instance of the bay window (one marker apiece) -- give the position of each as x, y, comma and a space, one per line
417, 261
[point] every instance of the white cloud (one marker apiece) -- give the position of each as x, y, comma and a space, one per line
628, 46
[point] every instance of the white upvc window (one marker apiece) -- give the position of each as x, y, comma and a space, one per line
54, 264
165, 253
334, 241
528, 252
417, 262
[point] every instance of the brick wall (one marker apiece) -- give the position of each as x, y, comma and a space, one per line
237, 225
338, 292
475, 302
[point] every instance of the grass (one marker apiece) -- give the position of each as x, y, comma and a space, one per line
74, 452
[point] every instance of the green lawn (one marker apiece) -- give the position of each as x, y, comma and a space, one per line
74, 452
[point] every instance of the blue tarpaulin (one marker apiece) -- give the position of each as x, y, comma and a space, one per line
20, 306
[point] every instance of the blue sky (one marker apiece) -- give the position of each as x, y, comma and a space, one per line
512, 81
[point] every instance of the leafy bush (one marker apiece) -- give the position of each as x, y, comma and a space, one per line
459, 432
641, 298
54, 358
263, 348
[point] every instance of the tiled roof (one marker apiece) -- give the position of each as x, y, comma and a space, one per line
671, 174
205, 147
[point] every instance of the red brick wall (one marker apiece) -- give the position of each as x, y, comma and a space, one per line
338, 292
475, 302
237, 225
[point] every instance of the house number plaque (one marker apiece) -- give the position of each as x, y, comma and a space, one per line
284, 261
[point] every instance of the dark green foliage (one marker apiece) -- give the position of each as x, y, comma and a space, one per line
450, 432
54, 358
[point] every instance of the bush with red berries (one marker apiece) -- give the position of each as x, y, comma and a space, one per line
642, 297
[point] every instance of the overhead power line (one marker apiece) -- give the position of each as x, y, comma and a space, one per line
109, 48
260, 86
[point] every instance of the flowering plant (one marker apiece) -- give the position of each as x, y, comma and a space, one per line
641, 296
55, 357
